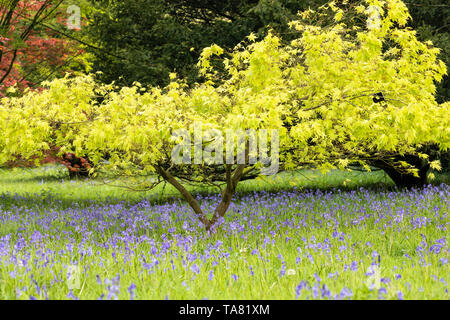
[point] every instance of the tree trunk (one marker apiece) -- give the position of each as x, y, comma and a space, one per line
227, 194
406, 180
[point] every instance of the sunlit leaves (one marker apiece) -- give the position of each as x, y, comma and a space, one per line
318, 91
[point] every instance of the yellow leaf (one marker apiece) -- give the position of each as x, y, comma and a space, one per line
436, 165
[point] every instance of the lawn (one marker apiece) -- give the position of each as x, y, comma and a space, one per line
342, 235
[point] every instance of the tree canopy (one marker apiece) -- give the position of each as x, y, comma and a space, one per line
150, 39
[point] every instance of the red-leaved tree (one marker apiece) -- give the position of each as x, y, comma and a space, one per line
31, 51
27, 46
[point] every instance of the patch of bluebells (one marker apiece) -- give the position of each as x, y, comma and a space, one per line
148, 236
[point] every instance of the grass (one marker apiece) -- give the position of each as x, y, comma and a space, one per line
279, 240
53, 181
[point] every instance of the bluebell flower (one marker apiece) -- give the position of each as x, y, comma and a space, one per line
315, 290
195, 269
131, 290
382, 291
302, 285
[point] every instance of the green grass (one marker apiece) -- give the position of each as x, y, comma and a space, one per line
81, 214
53, 181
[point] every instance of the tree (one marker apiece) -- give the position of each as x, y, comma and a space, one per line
25, 47
32, 50
335, 96
158, 37
145, 40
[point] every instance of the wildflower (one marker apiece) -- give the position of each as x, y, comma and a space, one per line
332, 275
299, 288
345, 292
291, 272
400, 295
315, 290
317, 278
382, 291
71, 295
325, 292
211, 275
374, 254
235, 277
283, 270
131, 289
195, 269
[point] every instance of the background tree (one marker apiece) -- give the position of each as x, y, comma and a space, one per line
150, 39
29, 51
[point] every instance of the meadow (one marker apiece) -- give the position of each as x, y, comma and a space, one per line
344, 235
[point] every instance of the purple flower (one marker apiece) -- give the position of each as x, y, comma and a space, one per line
131, 289
195, 269
211, 275
325, 292
283, 270
317, 278
71, 295
315, 290
382, 291
345, 292
302, 285
400, 295
374, 254
235, 277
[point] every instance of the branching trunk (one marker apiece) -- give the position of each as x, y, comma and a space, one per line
187, 196
227, 194
232, 178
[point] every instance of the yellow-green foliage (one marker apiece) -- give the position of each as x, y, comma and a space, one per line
318, 88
